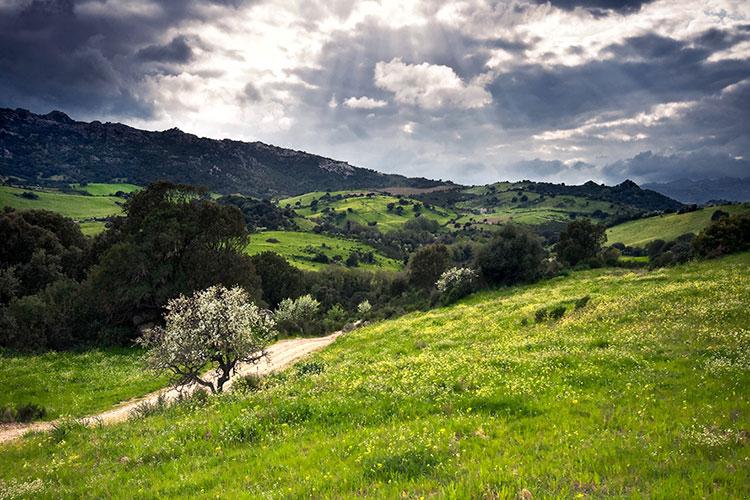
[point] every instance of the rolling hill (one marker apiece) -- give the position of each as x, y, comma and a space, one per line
639, 392
667, 227
53, 148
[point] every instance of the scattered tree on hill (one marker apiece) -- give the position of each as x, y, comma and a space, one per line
217, 327
580, 241
427, 264
297, 314
173, 241
513, 255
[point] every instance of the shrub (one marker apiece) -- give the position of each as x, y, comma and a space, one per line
310, 368
540, 315
297, 313
279, 279
427, 264
557, 312
456, 283
580, 241
582, 302
724, 236
364, 308
335, 317
25, 412
513, 255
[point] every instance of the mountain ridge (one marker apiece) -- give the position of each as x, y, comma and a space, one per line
704, 190
53, 148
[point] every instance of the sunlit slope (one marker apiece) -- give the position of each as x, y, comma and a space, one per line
300, 248
78, 207
384, 212
667, 227
642, 392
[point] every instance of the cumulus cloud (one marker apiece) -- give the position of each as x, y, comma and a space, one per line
429, 86
364, 103
468, 90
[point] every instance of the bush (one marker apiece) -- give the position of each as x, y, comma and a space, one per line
513, 255
540, 315
456, 283
427, 264
297, 314
335, 318
364, 308
582, 302
580, 241
310, 368
724, 236
25, 412
557, 312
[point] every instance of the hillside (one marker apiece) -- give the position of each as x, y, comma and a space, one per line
301, 249
639, 392
54, 148
667, 227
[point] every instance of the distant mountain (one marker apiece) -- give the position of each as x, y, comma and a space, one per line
53, 148
703, 191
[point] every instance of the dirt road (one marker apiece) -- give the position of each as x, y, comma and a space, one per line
280, 355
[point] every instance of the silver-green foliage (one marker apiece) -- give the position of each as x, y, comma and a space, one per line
294, 314
217, 327
456, 282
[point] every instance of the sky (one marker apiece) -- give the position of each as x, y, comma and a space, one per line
469, 91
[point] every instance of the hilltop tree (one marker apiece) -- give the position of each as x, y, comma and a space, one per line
218, 327
580, 241
513, 255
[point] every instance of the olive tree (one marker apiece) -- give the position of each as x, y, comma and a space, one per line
218, 327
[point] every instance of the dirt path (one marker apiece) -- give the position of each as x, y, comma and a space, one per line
280, 355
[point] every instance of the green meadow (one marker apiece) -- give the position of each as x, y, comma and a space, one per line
643, 390
299, 248
75, 383
667, 227
367, 210
75, 206
106, 189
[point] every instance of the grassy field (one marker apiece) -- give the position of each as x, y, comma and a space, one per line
366, 210
300, 247
643, 392
75, 206
667, 227
101, 189
71, 383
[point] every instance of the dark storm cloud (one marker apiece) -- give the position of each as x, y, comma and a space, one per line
87, 58
643, 71
650, 167
176, 51
598, 6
